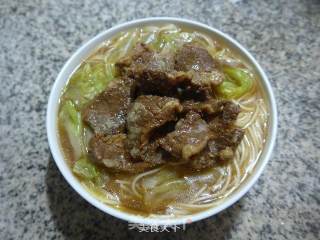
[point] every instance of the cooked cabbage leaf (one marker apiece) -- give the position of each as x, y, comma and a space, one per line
237, 83
88, 81
85, 169
72, 124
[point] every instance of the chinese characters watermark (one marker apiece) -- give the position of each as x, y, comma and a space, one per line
141, 227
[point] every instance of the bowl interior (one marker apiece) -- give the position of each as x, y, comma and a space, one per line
84, 51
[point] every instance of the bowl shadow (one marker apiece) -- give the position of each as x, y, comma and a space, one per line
76, 219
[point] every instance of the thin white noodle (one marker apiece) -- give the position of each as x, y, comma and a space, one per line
199, 192
202, 198
242, 153
254, 136
169, 28
151, 29
126, 47
201, 206
244, 117
216, 184
246, 108
126, 189
236, 166
122, 181
162, 216
109, 202
225, 185
138, 177
206, 38
149, 38
246, 102
243, 121
253, 117
107, 198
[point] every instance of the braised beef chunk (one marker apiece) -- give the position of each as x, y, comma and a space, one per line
106, 114
197, 85
146, 115
152, 153
207, 158
111, 152
208, 107
220, 148
201, 68
191, 57
227, 113
189, 138
206, 81
139, 57
225, 136
152, 71
231, 137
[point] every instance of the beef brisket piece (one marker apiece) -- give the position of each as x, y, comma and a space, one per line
220, 149
207, 107
189, 138
225, 116
152, 153
147, 114
225, 136
206, 81
106, 113
110, 151
153, 72
201, 69
191, 57
226, 110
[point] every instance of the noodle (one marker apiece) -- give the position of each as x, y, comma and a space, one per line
140, 176
126, 189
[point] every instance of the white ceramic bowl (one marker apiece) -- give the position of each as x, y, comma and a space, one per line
86, 50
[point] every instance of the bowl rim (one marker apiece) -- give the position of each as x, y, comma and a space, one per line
82, 52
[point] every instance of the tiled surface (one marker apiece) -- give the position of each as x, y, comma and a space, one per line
37, 37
